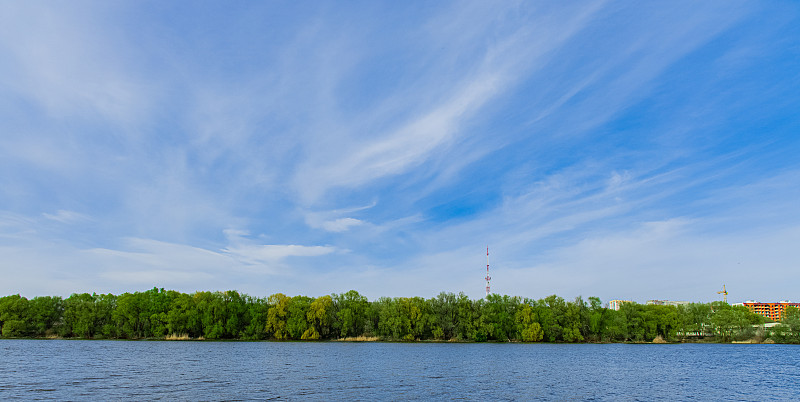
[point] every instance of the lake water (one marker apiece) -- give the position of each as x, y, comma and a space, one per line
112, 370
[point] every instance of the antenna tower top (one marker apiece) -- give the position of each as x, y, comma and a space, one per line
488, 278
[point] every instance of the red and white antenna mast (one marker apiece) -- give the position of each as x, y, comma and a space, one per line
488, 278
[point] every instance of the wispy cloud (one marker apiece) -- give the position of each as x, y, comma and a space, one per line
57, 58
341, 224
496, 66
242, 264
66, 216
249, 252
336, 221
253, 254
592, 146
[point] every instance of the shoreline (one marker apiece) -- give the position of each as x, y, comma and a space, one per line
767, 341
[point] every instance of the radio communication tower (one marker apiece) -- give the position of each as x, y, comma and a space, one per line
488, 278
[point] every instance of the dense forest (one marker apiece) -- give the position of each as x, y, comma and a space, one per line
168, 314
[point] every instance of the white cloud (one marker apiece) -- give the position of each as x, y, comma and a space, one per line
28, 256
664, 260
59, 59
258, 254
341, 224
618, 179
391, 154
66, 217
341, 114
138, 254
149, 278
145, 259
430, 126
335, 221
248, 251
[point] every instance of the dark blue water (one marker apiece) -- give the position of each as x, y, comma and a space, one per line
112, 370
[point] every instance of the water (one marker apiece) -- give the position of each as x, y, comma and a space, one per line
113, 370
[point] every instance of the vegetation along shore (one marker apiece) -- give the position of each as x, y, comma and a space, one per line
172, 315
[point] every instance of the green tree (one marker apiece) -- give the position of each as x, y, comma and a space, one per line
551, 312
351, 311
467, 317
499, 313
44, 314
572, 321
616, 325
80, 314
694, 319
155, 305
527, 325
14, 316
104, 307
212, 313
483, 329
666, 321
277, 314
635, 330
235, 314
321, 317
414, 318
444, 312
129, 314
731, 322
789, 329
791, 318
598, 325
297, 320
390, 324
257, 313
182, 317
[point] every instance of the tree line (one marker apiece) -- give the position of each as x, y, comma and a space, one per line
159, 313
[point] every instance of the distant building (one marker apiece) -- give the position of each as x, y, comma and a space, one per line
773, 311
666, 303
616, 304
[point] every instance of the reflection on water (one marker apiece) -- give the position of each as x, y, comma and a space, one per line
68, 369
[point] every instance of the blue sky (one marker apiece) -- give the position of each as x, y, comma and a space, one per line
612, 149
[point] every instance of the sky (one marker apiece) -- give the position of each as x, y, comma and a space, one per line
623, 150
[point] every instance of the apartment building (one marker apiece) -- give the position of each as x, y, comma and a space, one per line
666, 302
616, 304
773, 311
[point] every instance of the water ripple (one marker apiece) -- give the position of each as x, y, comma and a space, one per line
67, 369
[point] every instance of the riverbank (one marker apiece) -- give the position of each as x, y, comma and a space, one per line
171, 315
374, 339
